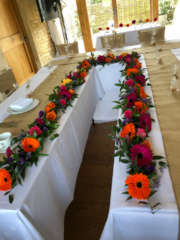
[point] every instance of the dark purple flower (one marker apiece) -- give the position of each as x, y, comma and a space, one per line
79, 66
41, 114
127, 120
21, 161
121, 25
10, 159
144, 100
134, 21
21, 154
45, 129
101, 58
40, 121
150, 169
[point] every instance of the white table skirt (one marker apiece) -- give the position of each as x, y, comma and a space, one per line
131, 35
39, 206
130, 220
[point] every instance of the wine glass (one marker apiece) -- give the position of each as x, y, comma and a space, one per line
28, 89
108, 47
67, 51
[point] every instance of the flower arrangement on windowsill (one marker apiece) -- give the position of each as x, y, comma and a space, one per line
132, 144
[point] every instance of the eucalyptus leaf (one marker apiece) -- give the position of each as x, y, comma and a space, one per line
157, 157
54, 136
125, 101
124, 193
142, 202
129, 198
117, 107
11, 198
156, 205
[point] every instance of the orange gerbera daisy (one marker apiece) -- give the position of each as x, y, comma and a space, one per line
71, 91
135, 59
147, 144
138, 88
143, 95
132, 70
140, 107
138, 64
110, 54
147, 20
128, 131
51, 116
138, 186
49, 107
83, 74
85, 64
30, 144
127, 25
5, 180
108, 60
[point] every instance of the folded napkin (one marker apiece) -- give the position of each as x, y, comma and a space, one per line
21, 103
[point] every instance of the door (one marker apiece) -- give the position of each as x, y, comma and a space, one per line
14, 43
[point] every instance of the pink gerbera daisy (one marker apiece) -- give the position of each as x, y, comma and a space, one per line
66, 94
144, 155
127, 58
145, 121
131, 100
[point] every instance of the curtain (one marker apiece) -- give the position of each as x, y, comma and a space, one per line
56, 32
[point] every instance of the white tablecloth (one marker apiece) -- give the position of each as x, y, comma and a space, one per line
176, 52
39, 206
130, 220
131, 35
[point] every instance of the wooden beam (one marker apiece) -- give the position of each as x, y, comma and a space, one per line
115, 14
154, 9
85, 26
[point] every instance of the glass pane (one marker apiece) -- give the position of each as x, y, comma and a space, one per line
129, 10
100, 14
72, 24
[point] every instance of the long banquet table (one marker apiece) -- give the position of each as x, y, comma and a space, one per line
124, 215
39, 206
131, 35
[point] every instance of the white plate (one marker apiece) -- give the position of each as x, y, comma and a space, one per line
20, 110
12, 147
30, 107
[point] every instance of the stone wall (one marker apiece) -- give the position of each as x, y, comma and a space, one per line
38, 33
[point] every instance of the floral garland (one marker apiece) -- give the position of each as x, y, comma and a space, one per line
132, 145
30, 144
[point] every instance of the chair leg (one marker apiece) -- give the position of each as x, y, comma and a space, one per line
93, 122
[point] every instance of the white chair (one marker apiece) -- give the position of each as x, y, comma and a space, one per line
113, 41
8, 82
153, 35
72, 48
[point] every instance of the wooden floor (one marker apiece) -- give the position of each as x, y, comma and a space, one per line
87, 214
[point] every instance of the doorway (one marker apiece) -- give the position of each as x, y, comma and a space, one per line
14, 44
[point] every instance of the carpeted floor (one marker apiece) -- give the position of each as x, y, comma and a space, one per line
86, 216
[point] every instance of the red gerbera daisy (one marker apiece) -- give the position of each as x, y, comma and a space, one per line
145, 121
131, 100
66, 94
144, 155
